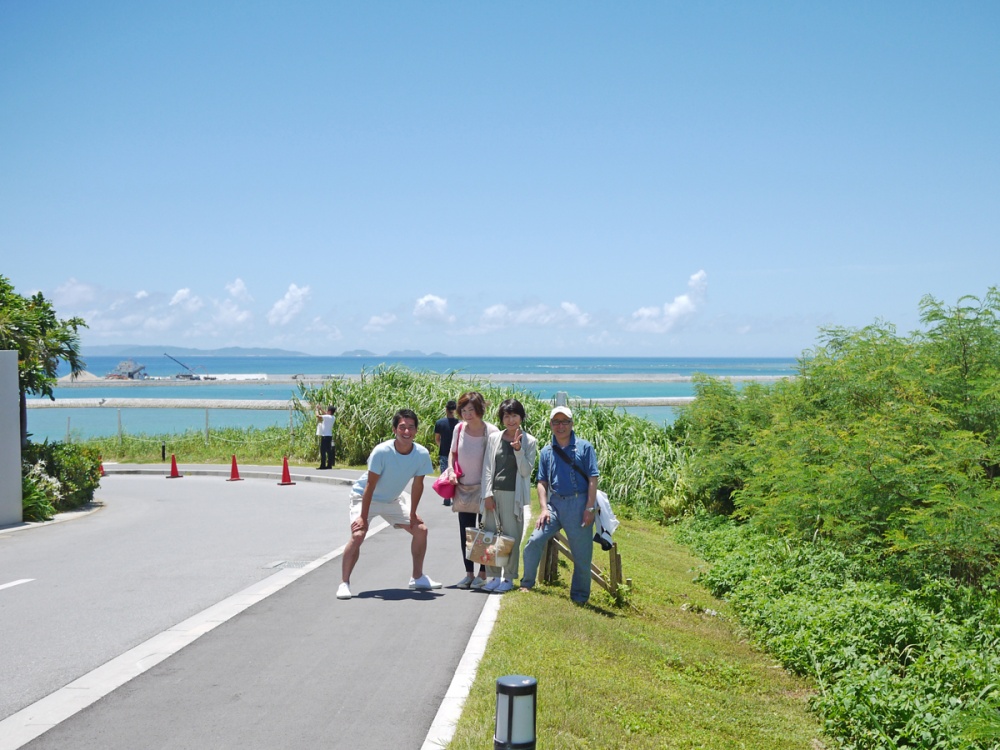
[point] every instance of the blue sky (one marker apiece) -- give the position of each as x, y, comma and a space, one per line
565, 178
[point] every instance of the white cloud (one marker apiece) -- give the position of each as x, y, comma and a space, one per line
288, 307
432, 309
320, 327
604, 338
238, 290
574, 314
228, 313
73, 294
536, 316
665, 318
379, 322
141, 294
158, 324
184, 299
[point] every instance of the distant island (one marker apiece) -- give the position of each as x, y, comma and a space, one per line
128, 350
399, 353
137, 350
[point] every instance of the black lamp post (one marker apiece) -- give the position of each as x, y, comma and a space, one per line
516, 709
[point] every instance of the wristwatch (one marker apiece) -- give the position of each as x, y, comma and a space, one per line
590, 510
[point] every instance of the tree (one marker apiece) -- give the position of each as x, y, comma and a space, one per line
29, 326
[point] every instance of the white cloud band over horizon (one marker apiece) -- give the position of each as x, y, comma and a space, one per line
136, 317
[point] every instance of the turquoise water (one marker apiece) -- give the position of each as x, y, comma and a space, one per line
56, 424
555, 366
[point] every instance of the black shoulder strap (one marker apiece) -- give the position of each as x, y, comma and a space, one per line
563, 455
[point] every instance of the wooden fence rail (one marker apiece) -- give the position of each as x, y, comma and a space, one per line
610, 581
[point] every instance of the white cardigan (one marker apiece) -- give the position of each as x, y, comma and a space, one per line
525, 463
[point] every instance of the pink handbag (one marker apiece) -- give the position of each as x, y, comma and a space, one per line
441, 485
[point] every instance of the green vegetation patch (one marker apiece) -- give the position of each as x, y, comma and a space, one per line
668, 670
863, 534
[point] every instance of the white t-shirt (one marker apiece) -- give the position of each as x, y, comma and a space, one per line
394, 470
324, 426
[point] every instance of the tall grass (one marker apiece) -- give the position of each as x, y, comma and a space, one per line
253, 445
365, 406
640, 465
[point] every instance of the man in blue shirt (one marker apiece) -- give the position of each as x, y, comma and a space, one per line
567, 494
380, 492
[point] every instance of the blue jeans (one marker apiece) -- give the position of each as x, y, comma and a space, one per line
566, 513
443, 462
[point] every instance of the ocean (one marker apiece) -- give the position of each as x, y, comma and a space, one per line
580, 377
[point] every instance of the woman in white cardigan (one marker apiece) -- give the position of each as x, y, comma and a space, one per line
507, 467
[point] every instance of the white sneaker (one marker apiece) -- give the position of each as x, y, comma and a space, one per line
344, 591
424, 583
504, 587
465, 582
477, 583
491, 585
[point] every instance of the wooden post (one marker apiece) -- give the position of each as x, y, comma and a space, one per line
549, 565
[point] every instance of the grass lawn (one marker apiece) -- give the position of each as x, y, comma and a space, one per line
667, 670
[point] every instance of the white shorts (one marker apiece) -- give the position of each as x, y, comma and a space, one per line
395, 512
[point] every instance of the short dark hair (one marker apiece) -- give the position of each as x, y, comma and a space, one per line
332, 409
511, 406
404, 414
476, 399
451, 405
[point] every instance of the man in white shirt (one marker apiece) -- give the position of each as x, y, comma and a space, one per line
324, 428
380, 492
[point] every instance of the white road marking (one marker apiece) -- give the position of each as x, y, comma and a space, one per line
16, 583
20, 728
443, 727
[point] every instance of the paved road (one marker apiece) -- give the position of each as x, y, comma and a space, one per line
296, 669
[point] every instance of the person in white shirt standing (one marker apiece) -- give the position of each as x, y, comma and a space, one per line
324, 428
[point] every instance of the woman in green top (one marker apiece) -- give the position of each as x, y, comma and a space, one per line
507, 466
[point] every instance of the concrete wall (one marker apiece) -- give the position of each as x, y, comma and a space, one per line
10, 441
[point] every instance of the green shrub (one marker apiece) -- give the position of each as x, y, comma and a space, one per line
896, 667
40, 493
76, 467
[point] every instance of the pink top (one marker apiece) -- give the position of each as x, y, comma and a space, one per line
471, 451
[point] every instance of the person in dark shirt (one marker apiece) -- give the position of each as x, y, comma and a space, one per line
444, 428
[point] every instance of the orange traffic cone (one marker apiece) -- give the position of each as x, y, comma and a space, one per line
286, 478
234, 474
174, 474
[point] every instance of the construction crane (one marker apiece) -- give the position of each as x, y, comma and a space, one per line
189, 375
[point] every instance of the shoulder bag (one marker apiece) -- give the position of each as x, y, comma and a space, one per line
488, 547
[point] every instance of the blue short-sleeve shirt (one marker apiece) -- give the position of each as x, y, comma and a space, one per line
562, 478
394, 470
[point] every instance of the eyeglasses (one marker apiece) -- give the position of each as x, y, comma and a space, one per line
561, 422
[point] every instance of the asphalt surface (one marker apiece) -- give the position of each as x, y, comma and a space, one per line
286, 665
